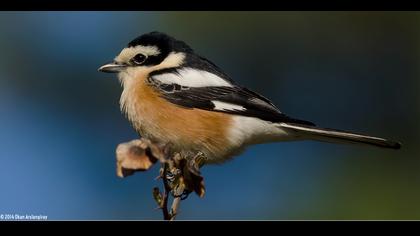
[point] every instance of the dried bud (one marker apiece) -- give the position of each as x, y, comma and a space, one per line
133, 156
157, 195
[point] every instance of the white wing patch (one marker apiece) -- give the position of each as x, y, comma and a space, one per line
192, 78
224, 106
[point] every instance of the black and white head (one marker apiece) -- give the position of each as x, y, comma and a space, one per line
155, 52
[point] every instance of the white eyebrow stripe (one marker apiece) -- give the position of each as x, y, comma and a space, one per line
148, 50
224, 106
192, 78
127, 53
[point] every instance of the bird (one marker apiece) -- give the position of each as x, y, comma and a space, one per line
171, 94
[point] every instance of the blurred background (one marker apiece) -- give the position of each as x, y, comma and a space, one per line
60, 121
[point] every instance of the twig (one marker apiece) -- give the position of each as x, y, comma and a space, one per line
180, 173
169, 215
174, 207
166, 192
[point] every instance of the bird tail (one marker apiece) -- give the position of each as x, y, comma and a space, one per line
338, 136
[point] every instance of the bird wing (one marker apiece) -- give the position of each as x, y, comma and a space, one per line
217, 96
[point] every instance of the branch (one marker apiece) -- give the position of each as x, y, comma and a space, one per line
167, 190
180, 173
174, 207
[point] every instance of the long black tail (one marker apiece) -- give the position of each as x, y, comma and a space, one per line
338, 136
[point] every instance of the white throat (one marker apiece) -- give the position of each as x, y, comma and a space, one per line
132, 77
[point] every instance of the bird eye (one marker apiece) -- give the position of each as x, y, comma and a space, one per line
138, 59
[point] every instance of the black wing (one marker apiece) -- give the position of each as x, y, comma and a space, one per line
250, 103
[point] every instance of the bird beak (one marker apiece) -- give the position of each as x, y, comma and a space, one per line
112, 67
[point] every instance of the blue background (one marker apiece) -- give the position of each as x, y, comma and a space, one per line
60, 120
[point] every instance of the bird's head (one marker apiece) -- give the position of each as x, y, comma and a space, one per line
147, 53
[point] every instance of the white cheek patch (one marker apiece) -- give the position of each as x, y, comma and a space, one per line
171, 61
192, 78
224, 106
127, 53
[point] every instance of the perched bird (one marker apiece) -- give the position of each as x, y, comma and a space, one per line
173, 95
